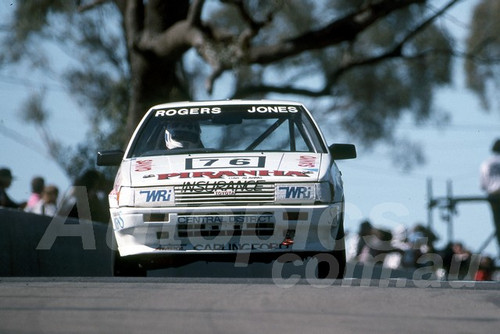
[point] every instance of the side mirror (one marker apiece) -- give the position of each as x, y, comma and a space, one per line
110, 158
342, 151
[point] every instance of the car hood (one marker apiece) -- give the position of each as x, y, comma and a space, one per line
268, 167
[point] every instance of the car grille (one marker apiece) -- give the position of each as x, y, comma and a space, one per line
234, 224
208, 230
225, 194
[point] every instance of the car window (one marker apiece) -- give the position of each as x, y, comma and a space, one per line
226, 129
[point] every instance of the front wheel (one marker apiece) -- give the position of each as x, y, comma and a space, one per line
332, 264
126, 266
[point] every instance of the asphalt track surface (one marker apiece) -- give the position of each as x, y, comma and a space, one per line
246, 305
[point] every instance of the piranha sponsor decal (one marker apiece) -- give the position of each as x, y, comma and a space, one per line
222, 187
187, 111
239, 173
273, 109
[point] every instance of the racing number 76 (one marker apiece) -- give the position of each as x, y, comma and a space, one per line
226, 162
233, 162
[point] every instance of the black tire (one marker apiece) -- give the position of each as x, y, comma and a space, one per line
126, 266
332, 264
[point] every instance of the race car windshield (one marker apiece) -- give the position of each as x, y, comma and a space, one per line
228, 128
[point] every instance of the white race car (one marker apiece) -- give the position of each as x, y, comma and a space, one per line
233, 178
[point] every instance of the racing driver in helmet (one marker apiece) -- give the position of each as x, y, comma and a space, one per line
181, 134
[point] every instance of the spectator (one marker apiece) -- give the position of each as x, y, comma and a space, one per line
456, 260
421, 241
89, 184
399, 242
37, 185
486, 269
373, 243
365, 231
380, 243
47, 205
5, 182
490, 182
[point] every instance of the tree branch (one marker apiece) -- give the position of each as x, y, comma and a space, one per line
238, 48
263, 88
394, 52
194, 14
427, 22
397, 49
344, 29
134, 22
253, 27
89, 6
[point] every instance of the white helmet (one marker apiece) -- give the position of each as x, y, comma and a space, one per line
181, 134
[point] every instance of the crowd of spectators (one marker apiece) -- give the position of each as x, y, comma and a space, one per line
412, 248
86, 198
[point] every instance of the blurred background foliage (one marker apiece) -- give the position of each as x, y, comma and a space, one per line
359, 65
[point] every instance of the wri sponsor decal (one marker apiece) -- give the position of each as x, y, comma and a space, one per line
155, 196
286, 193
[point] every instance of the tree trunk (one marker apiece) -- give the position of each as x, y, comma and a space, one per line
153, 76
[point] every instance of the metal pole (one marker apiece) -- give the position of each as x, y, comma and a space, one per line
450, 209
430, 204
486, 242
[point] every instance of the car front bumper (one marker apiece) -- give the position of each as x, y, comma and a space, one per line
227, 230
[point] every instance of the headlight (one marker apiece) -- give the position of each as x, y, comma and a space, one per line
324, 192
304, 193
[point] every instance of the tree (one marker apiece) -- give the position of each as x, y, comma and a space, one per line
482, 64
363, 64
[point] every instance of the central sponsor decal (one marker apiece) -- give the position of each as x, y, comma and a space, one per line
230, 173
222, 187
239, 219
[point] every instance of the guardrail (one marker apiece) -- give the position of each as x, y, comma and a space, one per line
35, 245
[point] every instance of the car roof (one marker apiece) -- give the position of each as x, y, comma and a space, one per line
222, 102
